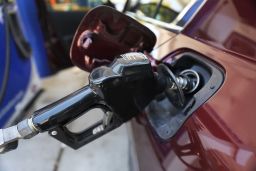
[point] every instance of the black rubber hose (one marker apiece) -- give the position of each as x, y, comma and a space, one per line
7, 53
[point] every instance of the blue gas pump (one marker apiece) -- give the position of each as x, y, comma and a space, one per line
23, 58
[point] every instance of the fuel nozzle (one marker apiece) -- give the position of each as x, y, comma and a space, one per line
122, 90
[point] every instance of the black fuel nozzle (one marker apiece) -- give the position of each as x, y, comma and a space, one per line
122, 90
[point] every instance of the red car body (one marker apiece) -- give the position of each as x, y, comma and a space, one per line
220, 134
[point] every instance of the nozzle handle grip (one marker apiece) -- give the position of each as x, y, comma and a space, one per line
55, 117
66, 109
77, 140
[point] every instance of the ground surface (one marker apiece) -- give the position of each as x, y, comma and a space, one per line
43, 153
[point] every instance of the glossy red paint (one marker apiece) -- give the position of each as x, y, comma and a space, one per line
220, 134
226, 24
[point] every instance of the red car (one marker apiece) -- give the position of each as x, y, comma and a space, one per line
219, 135
214, 130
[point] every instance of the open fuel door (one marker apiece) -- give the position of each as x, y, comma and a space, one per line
105, 33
